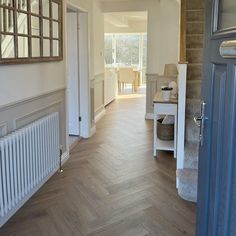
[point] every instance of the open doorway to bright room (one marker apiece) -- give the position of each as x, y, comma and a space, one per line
125, 47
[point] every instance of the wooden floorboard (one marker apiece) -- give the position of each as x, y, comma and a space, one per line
110, 186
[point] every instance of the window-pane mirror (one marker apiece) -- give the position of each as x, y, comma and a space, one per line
30, 30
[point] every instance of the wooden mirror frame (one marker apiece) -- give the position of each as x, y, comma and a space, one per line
10, 11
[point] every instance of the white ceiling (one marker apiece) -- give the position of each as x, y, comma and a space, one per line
124, 19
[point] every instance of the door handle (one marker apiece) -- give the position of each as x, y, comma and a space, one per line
200, 122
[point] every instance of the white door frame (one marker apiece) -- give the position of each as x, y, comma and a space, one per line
84, 80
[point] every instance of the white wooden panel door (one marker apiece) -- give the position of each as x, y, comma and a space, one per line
73, 73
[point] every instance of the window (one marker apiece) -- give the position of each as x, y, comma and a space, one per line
126, 50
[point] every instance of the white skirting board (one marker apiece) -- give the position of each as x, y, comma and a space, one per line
149, 116
92, 131
100, 115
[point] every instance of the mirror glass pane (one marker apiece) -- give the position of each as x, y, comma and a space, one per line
35, 26
6, 3
45, 8
55, 11
227, 14
23, 50
46, 47
34, 5
21, 5
22, 23
1, 19
30, 23
6, 22
46, 29
55, 48
8, 46
55, 29
35, 47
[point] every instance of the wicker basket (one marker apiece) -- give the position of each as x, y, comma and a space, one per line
165, 131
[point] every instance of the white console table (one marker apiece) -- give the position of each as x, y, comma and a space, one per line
162, 107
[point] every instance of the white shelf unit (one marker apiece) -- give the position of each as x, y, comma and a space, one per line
165, 108
162, 108
165, 145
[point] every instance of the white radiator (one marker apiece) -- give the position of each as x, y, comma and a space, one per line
28, 158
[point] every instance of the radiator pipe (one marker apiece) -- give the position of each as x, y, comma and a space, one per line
60, 168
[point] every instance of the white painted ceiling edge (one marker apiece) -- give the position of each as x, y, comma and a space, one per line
125, 22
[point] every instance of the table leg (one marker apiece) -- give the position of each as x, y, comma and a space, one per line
155, 134
175, 136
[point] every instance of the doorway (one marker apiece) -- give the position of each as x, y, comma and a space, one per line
78, 85
126, 53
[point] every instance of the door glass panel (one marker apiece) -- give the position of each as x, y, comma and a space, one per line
227, 14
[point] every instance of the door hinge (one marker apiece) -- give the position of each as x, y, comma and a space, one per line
80, 118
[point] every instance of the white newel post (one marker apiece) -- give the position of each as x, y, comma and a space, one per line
181, 114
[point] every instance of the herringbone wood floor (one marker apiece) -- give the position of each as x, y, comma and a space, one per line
111, 186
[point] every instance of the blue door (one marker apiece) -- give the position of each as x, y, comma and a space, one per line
216, 209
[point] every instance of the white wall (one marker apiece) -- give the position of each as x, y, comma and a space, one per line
163, 39
134, 27
18, 82
98, 58
98, 36
163, 29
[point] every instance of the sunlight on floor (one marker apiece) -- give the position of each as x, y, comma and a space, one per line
127, 93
